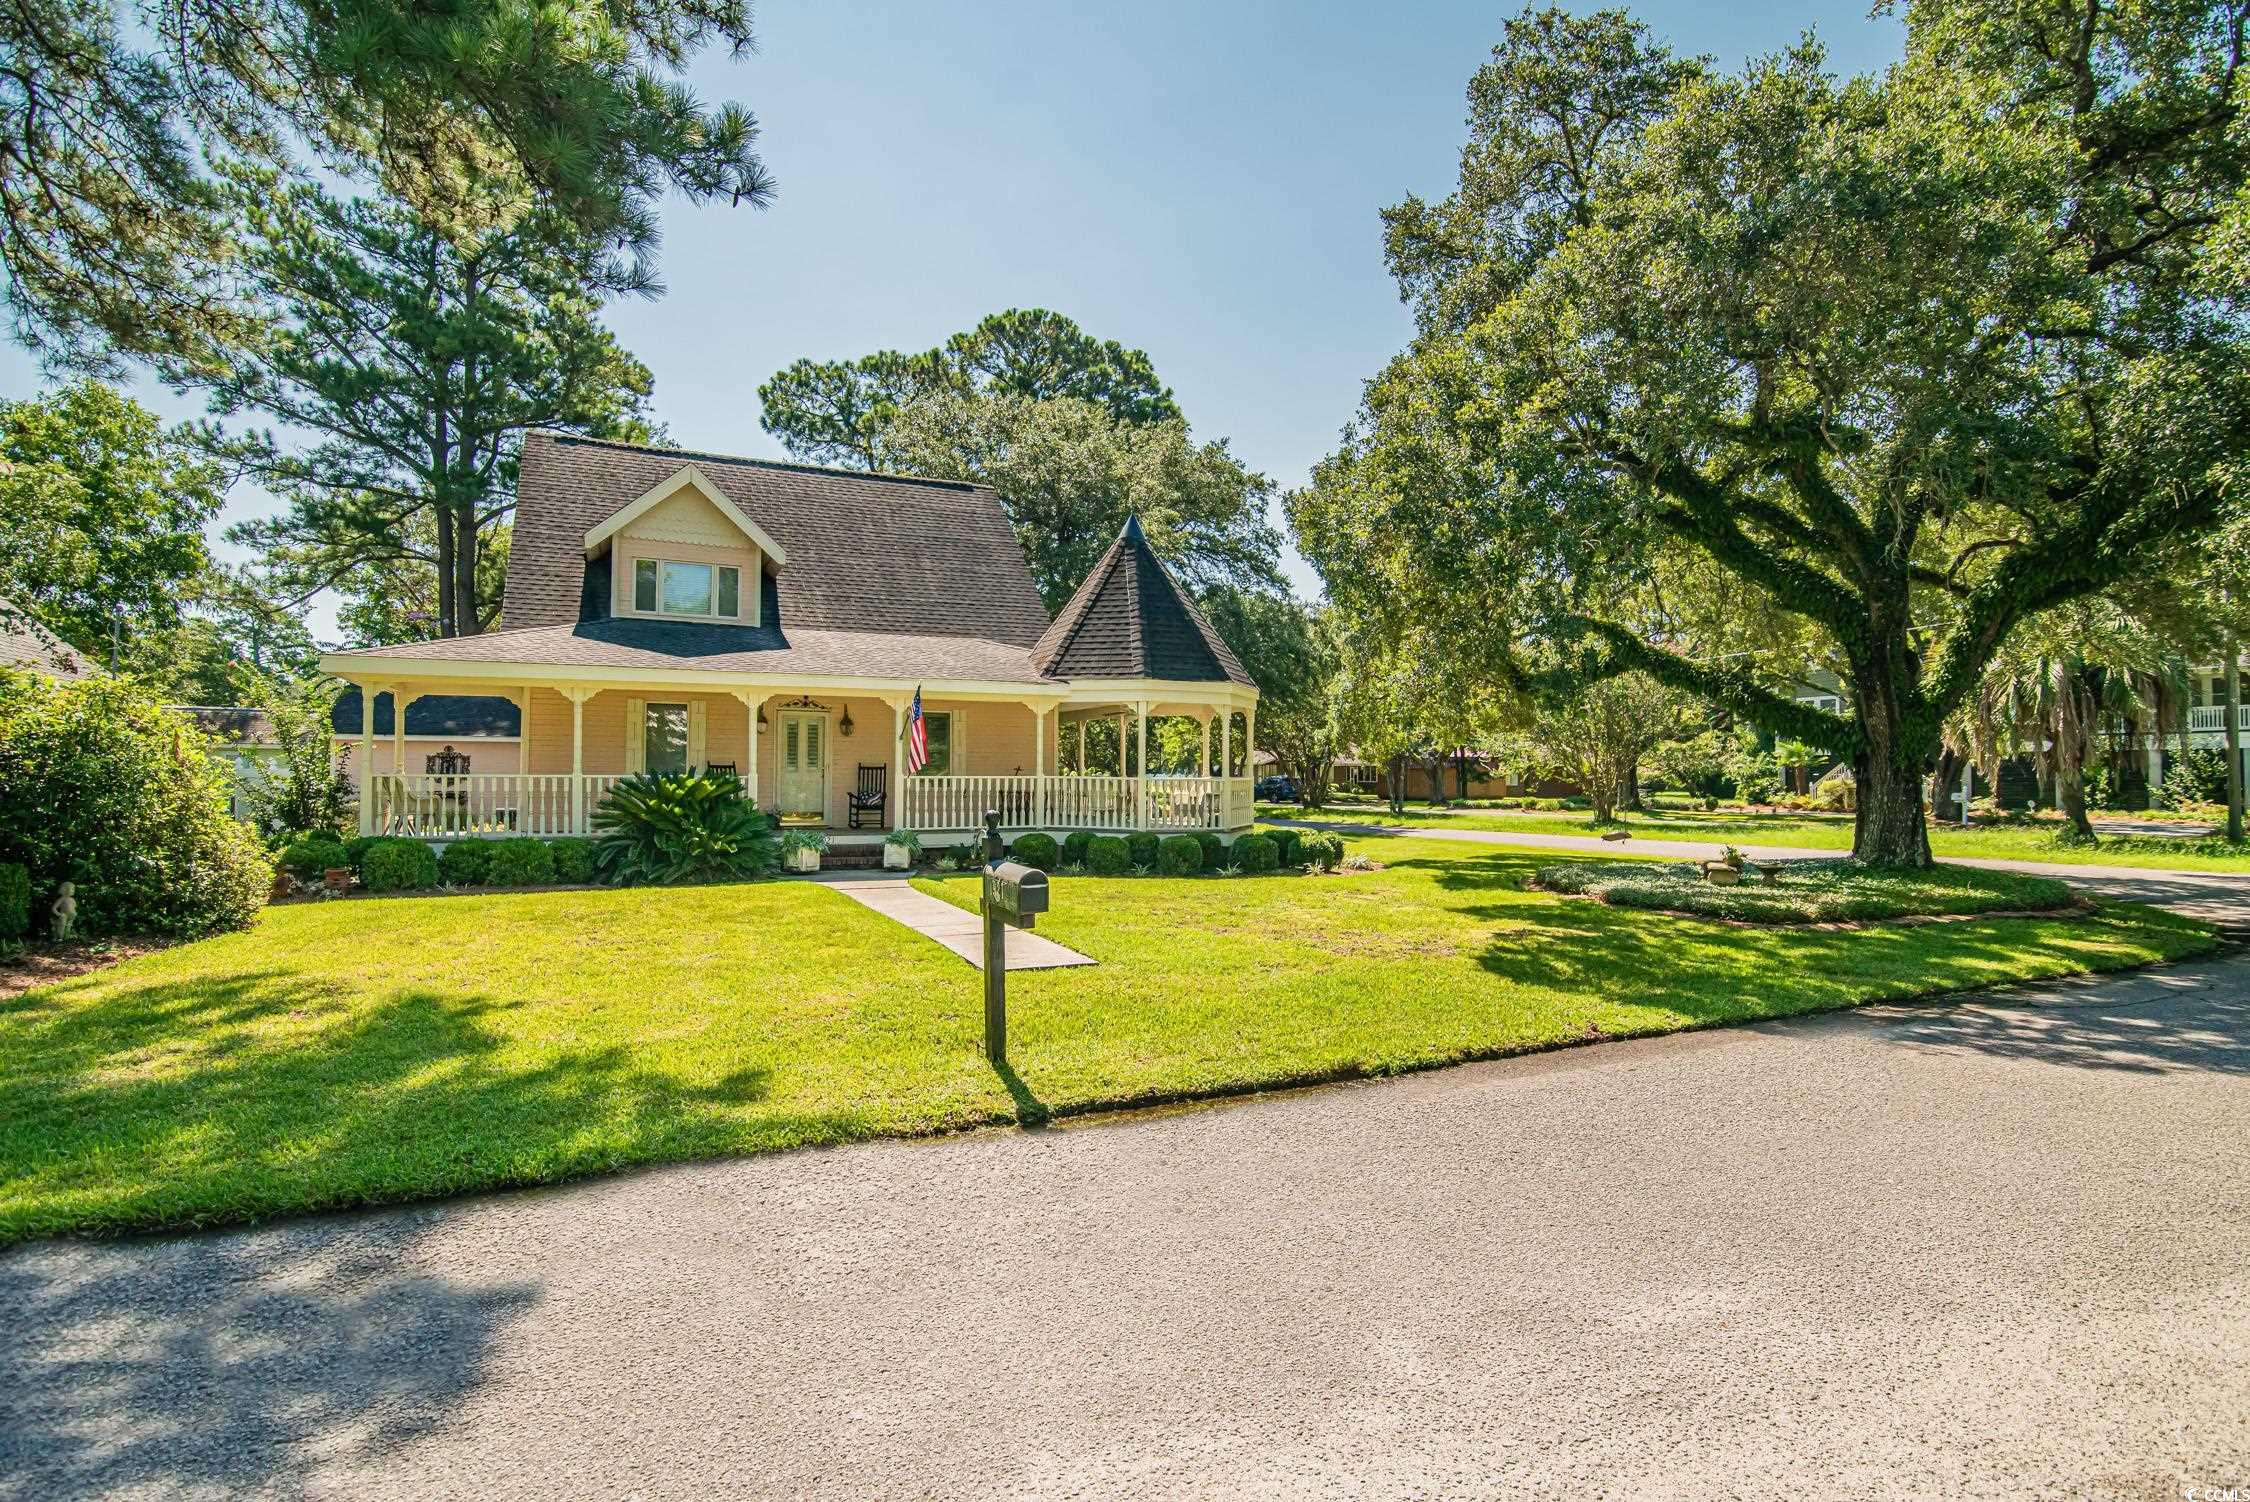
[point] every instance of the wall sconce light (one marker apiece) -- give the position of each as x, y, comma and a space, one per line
844, 726
761, 717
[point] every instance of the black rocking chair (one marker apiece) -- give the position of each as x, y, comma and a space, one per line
872, 796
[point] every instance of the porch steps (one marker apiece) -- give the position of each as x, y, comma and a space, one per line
852, 858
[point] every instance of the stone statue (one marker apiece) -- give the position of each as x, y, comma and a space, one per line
65, 911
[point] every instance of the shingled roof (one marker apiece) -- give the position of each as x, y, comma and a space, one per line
24, 643
867, 552
1131, 619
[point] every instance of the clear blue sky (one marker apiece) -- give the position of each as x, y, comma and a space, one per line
1199, 180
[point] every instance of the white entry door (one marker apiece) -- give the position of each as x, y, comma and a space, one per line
804, 767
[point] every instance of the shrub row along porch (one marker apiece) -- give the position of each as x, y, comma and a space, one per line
828, 761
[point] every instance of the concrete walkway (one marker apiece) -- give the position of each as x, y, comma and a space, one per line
2214, 896
1991, 1248
962, 932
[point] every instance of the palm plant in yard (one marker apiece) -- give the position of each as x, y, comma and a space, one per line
663, 827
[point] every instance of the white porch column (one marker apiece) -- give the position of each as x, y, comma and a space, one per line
897, 775
400, 700
1250, 739
2155, 762
752, 701
1038, 766
367, 692
1082, 746
578, 698
1140, 787
1203, 757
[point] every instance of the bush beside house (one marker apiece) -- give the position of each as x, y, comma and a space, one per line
15, 901
398, 865
103, 786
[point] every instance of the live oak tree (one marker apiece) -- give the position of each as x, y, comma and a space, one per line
1910, 358
115, 235
1288, 647
840, 411
415, 361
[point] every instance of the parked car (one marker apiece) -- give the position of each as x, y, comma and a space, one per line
1276, 790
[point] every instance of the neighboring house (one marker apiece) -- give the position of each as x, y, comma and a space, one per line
27, 645
668, 610
242, 741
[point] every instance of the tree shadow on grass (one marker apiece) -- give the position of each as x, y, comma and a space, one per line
1707, 971
231, 1363
165, 1105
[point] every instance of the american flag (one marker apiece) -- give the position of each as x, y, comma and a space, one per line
917, 737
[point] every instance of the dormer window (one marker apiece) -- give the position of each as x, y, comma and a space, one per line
662, 586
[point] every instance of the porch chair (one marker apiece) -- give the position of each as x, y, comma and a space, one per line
872, 795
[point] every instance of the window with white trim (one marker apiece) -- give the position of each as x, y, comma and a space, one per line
938, 724
664, 586
664, 732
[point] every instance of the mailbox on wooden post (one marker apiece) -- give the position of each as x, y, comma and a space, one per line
1014, 895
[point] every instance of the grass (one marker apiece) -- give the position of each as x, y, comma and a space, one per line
1809, 891
360, 1052
1813, 832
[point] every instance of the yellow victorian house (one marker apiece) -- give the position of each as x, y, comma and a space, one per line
667, 610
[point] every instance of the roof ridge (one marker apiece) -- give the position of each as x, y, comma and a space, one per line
792, 465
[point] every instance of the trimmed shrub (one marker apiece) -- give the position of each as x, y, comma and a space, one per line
1037, 850
574, 860
103, 786
1285, 842
1214, 849
464, 863
1255, 853
520, 863
1179, 855
355, 851
15, 901
1107, 855
396, 865
1074, 846
1141, 847
1325, 851
658, 828
306, 858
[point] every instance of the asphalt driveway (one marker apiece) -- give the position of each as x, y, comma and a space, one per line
1994, 1249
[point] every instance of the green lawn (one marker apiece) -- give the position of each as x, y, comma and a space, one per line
367, 1051
1807, 831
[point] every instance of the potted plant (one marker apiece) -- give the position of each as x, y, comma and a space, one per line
801, 850
900, 847
1726, 871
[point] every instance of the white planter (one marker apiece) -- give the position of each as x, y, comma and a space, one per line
897, 858
801, 860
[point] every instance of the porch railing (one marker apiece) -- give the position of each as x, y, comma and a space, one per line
469, 805
1114, 803
2213, 718
490, 805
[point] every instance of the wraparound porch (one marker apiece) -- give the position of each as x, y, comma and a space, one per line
1156, 756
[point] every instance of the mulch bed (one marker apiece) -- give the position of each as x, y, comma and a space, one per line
43, 965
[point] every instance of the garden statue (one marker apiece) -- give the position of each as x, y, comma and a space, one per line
65, 911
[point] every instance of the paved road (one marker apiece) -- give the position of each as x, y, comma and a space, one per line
1994, 1249
2214, 896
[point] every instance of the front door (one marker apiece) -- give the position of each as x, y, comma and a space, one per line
804, 767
